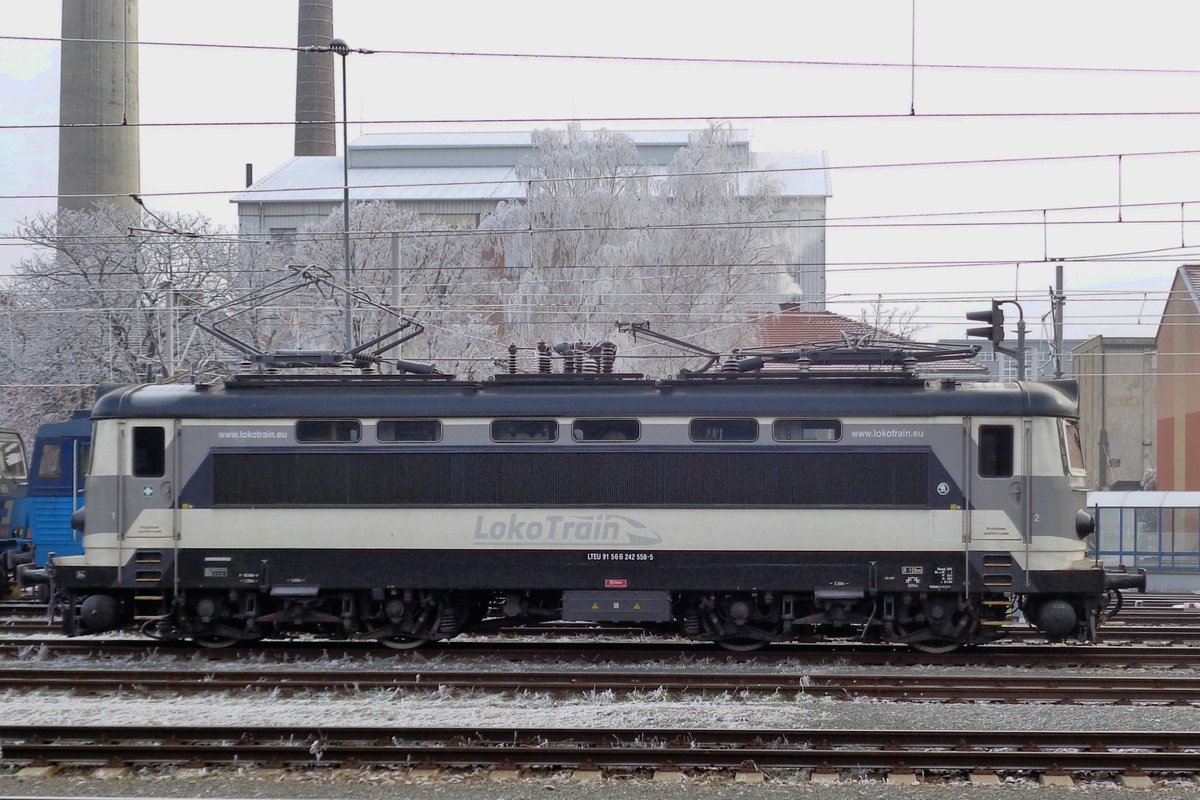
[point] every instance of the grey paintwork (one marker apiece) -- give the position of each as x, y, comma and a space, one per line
948, 442
611, 398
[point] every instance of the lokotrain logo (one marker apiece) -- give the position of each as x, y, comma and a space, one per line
563, 530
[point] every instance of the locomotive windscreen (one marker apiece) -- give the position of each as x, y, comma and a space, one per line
625, 478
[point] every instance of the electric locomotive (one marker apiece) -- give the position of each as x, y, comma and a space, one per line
840, 495
52, 494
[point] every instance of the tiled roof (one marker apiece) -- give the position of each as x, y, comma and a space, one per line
793, 326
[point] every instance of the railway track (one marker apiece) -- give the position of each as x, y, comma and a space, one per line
1175, 627
1157, 656
895, 685
676, 667
818, 750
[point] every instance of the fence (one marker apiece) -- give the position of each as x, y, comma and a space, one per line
1156, 531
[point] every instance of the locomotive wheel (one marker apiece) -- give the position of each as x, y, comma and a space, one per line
215, 642
935, 646
401, 642
742, 645
940, 616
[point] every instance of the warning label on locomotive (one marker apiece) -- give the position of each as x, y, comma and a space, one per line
562, 530
943, 578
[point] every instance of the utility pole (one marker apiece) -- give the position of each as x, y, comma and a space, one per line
397, 286
339, 47
1057, 300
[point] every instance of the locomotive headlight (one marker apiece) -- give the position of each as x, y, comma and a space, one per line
1085, 524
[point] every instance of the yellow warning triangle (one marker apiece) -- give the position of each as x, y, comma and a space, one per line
637, 606
595, 606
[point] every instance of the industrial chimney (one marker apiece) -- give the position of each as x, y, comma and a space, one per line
99, 92
315, 130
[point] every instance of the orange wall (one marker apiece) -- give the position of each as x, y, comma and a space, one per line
1179, 392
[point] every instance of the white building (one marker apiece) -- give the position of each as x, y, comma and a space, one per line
459, 177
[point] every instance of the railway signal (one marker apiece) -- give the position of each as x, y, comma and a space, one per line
994, 331
994, 318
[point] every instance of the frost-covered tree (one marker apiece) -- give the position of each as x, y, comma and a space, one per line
440, 282
605, 236
100, 300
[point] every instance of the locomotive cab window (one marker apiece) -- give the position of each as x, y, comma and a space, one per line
1072, 448
408, 430
149, 451
50, 460
807, 430
995, 451
723, 430
524, 430
606, 430
328, 430
12, 460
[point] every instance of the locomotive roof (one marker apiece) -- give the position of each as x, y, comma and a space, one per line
79, 424
350, 397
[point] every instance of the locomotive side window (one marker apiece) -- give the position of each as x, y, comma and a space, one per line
807, 430
50, 462
328, 430
995, 451
408, 430
524, 430
13, 460
723, 430
606, 430
1073, 448
149, 452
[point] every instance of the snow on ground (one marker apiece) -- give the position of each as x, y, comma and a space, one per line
790, 712
786, 711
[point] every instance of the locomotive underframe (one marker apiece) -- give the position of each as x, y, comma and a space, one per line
407, 599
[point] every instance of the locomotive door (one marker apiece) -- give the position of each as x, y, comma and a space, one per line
998, 483
146, 502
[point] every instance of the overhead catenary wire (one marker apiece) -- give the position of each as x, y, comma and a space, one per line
878, 116
911, 65
652, 59
912, 220
656, 175
603, 313
835, 222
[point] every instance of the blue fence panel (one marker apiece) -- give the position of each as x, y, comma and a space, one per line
1159, 539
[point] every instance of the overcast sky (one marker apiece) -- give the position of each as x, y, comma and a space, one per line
242, 85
